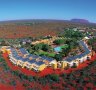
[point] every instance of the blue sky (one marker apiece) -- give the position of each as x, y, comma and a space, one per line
47, 9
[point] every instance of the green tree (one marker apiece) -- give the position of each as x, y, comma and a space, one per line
54, 77
37, 47
74, 65
70, 33
58, 57
59, 41
45, 47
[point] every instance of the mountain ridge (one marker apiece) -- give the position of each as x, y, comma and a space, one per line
75, 20
80, 20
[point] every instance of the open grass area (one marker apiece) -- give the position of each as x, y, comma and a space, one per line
46, 53
64, 46
49, 54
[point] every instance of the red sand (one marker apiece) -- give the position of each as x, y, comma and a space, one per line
9, 87
41, 74
13, 67
46, 71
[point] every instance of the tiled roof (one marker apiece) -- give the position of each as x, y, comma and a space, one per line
18, 57
69, 59
33, 56
32, 61
24, 59
23, 51
47, 58
39, 63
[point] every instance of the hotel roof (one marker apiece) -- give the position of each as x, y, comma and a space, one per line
14, 53
32, 61
24, 59
18, 57
69, 59
23, 51
39, 63
33, 56
47, 58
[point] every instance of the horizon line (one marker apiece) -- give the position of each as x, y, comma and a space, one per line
45, 19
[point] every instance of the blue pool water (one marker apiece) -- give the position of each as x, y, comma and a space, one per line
57, 49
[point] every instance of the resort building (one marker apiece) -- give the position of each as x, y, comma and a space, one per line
21, 57
5, 49
78, 58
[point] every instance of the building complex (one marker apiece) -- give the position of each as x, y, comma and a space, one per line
23, 59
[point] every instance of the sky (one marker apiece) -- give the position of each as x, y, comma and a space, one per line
48, 9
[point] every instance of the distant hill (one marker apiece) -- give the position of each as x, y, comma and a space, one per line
80, 20
45, 21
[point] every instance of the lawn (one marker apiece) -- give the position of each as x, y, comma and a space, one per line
49, 54
46, 53
64, 46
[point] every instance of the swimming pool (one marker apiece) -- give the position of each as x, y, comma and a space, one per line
57, 49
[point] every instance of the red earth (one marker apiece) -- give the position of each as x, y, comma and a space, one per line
45, 72
48, 70
21, 30
9, 87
